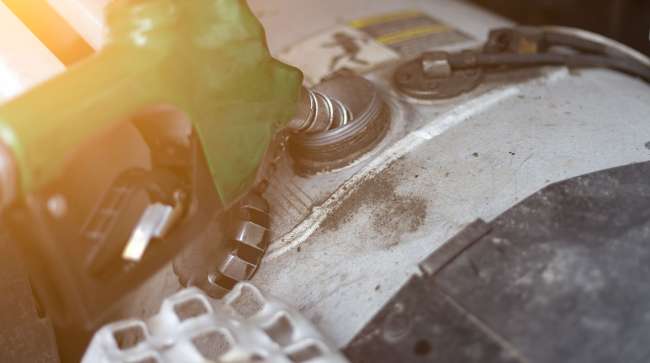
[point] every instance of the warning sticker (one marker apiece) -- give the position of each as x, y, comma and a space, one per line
335, 49
365, 44
409, 32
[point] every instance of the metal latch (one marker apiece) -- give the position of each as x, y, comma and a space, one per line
156, 221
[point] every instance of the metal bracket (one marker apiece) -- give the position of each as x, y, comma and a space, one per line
431, 77
156, 221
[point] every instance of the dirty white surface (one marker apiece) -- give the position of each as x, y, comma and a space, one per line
493, 153
345, 242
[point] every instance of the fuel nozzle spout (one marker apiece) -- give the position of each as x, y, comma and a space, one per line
337, 122
318, 112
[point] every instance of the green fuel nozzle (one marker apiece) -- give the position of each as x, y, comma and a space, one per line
206, 58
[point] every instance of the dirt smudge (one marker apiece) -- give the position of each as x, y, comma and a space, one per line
391, 214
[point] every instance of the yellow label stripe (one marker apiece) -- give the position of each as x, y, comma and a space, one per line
413, 33
386, 18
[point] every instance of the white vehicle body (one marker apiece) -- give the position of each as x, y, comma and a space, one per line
344, 242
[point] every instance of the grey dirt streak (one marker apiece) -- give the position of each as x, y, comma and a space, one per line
391, 214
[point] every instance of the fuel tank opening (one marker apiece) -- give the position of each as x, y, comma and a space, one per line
357, 120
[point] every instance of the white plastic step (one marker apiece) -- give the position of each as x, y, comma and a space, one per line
246, 326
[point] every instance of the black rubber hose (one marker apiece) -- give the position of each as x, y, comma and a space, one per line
571, 60
557, 39
562, 37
